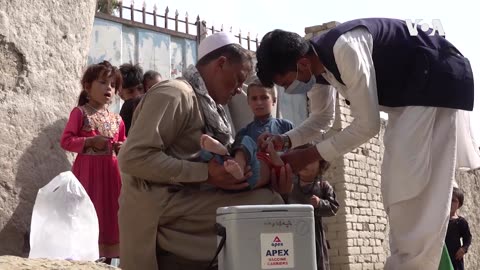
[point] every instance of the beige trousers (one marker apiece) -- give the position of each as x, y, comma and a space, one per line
417, 179
181, 223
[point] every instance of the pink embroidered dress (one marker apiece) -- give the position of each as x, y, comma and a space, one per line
98, 170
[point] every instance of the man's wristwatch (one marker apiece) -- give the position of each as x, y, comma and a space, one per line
286, 142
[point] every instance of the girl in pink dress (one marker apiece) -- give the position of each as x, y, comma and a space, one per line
96, 134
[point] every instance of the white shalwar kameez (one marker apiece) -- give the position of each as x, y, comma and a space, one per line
423, 145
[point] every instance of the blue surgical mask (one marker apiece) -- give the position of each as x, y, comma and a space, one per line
299, 87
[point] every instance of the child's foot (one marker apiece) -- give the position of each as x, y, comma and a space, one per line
210, 144
233, 168
276, 160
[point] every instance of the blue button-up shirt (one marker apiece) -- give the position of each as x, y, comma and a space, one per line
271, 125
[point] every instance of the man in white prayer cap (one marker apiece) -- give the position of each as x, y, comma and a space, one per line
169, 198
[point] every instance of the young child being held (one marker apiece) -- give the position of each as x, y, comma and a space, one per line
244, 153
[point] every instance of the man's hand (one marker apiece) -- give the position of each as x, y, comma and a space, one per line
300, 158
460, 253
314, 201
219, 177
265, 138
284, 183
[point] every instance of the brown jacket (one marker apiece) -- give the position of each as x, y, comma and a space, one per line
164, 136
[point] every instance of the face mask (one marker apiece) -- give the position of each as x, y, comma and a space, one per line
299, 87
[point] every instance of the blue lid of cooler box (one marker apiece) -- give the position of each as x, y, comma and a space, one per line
264, 208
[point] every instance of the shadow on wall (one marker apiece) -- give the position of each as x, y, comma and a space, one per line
41, 162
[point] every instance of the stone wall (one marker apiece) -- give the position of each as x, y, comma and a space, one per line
43, 48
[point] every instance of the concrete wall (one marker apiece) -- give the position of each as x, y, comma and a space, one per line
118, 43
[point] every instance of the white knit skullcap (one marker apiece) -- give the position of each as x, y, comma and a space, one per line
215, 41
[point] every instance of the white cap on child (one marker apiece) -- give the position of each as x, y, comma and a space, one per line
215, 41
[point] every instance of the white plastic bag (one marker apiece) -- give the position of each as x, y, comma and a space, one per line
64, 221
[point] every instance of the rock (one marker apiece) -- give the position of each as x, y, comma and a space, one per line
43, 49
18, 263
